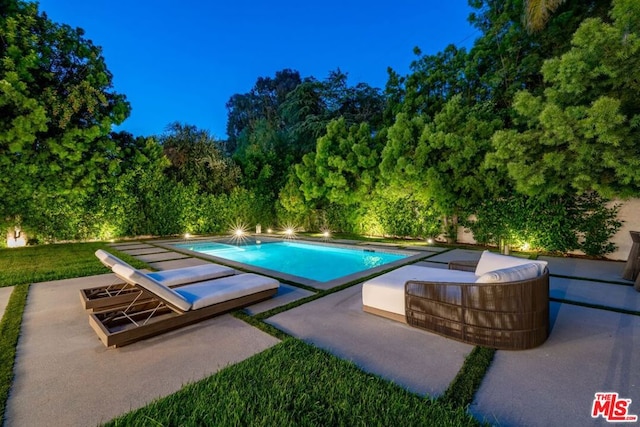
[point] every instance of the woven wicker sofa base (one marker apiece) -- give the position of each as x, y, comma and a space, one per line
508, 316
504, 340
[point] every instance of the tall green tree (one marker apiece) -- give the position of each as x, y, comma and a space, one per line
506, 58
57, 106
338, 177
434, 79
196, 158
440, 161
262, 102
582, 133
344, 168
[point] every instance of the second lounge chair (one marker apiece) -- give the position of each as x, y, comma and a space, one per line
119, 292
163, 308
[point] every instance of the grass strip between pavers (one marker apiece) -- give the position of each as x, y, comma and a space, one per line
9, 334
595, 306
291, 384
464, 386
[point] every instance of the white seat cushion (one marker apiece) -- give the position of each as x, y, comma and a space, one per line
511, 274
198, 273
490, 261
386, 292
211, 292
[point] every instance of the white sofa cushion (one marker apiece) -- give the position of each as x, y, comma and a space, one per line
386, 292
511, 274
490, 261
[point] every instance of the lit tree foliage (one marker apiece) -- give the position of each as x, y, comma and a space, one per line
440, 161
196, 159
56, 110
343, 170
582, 133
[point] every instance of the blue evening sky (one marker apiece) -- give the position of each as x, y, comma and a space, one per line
183, 60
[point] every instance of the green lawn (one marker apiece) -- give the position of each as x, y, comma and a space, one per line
293, 383
32, 264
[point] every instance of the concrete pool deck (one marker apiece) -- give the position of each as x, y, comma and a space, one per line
64, 376
62, 366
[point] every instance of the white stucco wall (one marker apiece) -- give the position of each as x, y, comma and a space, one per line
629, 214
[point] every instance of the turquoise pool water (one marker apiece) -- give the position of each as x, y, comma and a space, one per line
316, 262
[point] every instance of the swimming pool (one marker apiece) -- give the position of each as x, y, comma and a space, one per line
321, 263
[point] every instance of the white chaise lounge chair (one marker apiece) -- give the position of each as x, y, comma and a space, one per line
119, 292
158, 308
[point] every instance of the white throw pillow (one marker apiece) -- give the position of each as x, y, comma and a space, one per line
511, 274
490, 261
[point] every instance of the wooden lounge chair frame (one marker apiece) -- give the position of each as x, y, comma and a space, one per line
510, 315
103, 297
147, 316
119, 293
157, 308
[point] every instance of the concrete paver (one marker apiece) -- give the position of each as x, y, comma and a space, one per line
457, 255
597, 293
422, 362
286, 294
5, 294
164, 256
144, 251
588, 351
586, 268
64, 376
130, 246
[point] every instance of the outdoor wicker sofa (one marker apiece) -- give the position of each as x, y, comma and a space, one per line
499, 301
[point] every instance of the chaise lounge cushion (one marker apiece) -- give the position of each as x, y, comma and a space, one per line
511, 274
224, 289
198, 273
490, 261
128, 273
177, 276
386, 292
109, 260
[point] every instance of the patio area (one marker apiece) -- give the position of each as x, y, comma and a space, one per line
76, 381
